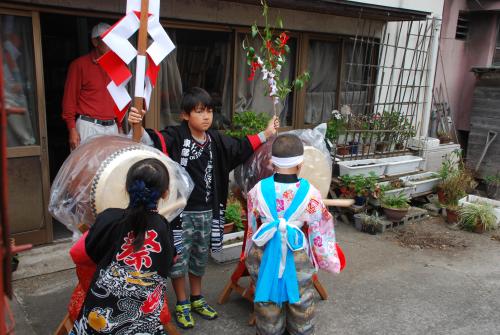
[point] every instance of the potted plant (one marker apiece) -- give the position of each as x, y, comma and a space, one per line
443, 137
457, 182
370, 223
365, 135
334, 128
395, 206
453, 189
377, 124
478, 217
346, 187
247, 123
232, 216
492, 186
359, 187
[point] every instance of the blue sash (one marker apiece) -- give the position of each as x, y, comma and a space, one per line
277, 281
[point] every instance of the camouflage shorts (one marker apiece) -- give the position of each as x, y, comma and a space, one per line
297, 319
196, 230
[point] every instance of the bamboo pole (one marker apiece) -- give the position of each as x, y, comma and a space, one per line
142, 43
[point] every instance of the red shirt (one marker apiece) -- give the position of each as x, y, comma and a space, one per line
85, 91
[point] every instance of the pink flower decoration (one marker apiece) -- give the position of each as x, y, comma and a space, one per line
280, 205
318, 241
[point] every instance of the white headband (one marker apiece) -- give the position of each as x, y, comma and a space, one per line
287, 162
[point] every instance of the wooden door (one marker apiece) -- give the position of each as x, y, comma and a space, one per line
27, 161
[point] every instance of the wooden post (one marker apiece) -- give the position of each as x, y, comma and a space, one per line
142, 44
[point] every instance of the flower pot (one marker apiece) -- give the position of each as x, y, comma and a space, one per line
359, 200
342, 150
380, 146
451, 216
479, 227
444, 139
395, 214
399, 146
354, 147
366, 149
441, 196
369, 228
228, 228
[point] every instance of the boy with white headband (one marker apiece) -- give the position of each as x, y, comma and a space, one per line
290, 236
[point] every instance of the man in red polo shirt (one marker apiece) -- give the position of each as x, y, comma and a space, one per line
87, 105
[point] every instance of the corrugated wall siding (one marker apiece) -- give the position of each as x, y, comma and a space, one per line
485, 117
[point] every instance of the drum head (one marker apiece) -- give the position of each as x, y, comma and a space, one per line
317, 170
108, 186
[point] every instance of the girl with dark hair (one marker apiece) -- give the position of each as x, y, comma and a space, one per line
132, 252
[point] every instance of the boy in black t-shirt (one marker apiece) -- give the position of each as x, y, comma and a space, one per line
208, 157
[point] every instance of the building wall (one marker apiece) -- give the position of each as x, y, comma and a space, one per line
399, 59
457, 57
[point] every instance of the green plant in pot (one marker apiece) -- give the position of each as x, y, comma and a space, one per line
443, 137
248, 123
478, 217
453, 188
492, 186
233, 217
365, 136
395, 206
377, 124
358, 187
347, 187
334, 128
370, 223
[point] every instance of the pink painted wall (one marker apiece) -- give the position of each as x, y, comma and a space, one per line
457, 57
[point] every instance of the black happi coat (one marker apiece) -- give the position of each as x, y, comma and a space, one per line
228, 153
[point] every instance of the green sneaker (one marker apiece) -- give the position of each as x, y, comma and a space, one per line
201, 307
183, 316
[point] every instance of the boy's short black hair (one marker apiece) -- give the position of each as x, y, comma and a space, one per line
193, 97
287, 145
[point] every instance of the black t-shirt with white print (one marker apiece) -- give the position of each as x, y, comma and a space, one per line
197, 158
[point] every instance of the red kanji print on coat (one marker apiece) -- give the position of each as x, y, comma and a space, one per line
140, 257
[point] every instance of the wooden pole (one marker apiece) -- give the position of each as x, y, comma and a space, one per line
142, 44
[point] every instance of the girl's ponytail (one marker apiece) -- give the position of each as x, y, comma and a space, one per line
147, 180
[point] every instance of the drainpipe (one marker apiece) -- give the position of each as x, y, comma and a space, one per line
431, 74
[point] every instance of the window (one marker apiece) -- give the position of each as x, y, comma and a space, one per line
462, 26
359, 75
322, 89
201, 58
250, 94
16, 36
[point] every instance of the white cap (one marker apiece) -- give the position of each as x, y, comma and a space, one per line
99, 29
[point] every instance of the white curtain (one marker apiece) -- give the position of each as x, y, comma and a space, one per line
321, 91
171, 87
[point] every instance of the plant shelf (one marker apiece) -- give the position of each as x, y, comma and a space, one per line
423, 182
361, 167
401, 164
231, 248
